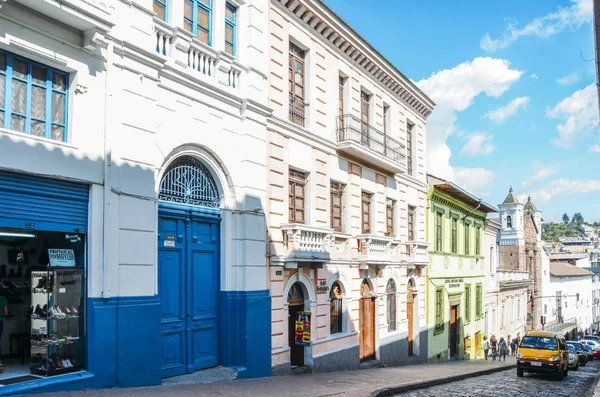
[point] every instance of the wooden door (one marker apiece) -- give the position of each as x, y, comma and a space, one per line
410, 316
367, 323
453, 330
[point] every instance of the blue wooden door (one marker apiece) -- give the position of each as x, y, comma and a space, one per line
204, 279
171, 289
188, 267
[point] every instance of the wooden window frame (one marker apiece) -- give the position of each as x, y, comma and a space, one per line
365, 102
295, 179
389, 217
439, 231
341, 97
409, 151
410, 222
478, 240
439, 310
454, 237
478, 300
391, 305
467, 238
366, 199
336, 189
297, 56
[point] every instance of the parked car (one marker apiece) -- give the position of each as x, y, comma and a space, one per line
573, 357
594, 345
580, 351
592, 337
543, 352
589, 352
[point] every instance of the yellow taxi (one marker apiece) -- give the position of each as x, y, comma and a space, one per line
543, 352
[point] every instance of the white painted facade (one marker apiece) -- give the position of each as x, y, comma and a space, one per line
576, 297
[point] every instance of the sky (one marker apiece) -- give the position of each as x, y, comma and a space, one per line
514, 86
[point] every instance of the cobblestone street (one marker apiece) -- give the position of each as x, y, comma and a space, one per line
506, 383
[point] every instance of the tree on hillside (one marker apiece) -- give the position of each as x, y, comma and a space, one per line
577, 219
565, 218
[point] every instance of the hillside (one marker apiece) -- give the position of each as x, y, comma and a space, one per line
554, 231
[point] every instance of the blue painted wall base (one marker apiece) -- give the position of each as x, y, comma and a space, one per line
246, 332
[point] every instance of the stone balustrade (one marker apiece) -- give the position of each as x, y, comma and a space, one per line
185, 51
307, 242
373, 248
503, 276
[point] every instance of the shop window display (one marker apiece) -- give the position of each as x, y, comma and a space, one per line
42, 279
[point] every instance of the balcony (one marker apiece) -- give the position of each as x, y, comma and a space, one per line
297, 110
377, 250
417, 252
360, 140
201, 61
512, 278
305, 243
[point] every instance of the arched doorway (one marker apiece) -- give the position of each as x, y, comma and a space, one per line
410, 314
367, 322
188, 267
295, 301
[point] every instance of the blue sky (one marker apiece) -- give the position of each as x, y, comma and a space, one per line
514, 83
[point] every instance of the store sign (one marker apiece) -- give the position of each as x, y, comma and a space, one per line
61, 257
302, 334
454, 283
322, 285
169, 240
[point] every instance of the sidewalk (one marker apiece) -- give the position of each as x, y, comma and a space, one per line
376, 382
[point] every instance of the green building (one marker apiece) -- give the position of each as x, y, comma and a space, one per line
455, 275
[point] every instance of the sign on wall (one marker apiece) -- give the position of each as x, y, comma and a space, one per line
322, 285
61, 257
454, 283
302, 335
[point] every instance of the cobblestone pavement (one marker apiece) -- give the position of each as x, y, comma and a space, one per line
506, 383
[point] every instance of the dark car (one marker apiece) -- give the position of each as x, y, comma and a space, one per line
579, 349
589, 351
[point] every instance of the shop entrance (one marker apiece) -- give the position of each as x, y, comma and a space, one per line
188, 268
367, 323
295, 306
453, 330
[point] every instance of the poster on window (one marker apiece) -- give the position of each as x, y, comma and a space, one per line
302, 335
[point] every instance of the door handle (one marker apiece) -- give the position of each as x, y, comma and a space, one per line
194, 239
180, 238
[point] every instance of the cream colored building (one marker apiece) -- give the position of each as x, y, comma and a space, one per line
346, 196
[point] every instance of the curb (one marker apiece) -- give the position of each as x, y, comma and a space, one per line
390, 391
592, 391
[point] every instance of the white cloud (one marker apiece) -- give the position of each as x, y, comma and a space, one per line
475, 180
534, 76
595, 148
478, 144
580, 12
540, 172
564, 187
579, 113
501, 114
454, 90
569, 79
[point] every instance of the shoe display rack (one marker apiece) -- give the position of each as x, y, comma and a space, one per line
55, 320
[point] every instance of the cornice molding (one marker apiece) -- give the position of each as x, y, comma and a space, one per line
319, 18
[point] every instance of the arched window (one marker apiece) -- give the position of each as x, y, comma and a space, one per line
188, 181
390, 291
509, 221
335, 308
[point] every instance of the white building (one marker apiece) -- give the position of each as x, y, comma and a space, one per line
572, 288
133, 139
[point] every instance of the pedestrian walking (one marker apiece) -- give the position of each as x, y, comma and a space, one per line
503, 346
513, 347
485, 345
494, 346
508, 344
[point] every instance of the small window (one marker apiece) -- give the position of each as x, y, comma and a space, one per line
390, 291
509, 222
389, 217
409, 144
230, 22
478, 300
478, 241
386, 121
37, 104
335, 308
197, 16
297, 196
454, 236
366, 212
337, 205
411, 222
296, 80
341, 98
160, 8
364, 117
438, 232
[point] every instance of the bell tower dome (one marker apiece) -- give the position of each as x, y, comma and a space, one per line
511, 236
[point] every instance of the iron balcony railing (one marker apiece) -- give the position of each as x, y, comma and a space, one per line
297, 110
351, 128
